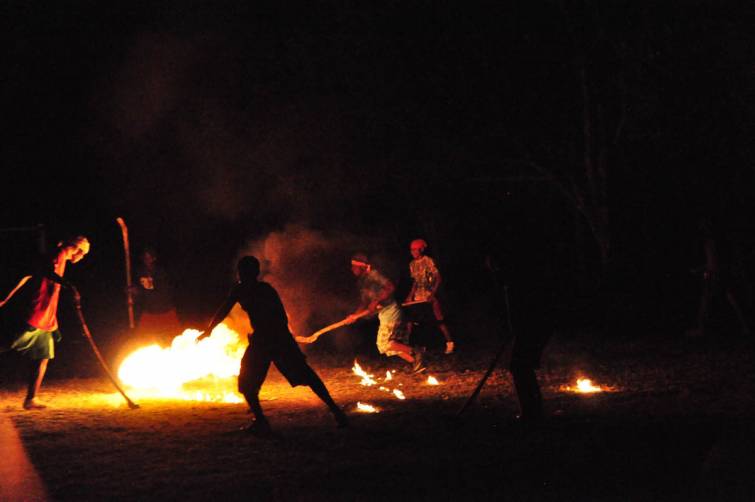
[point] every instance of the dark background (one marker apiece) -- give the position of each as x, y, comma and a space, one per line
208, 126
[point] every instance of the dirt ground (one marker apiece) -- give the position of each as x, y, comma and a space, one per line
677, 425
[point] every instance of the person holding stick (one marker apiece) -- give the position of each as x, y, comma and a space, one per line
425, 282
154, 294
34, 331
271, 342
376, 292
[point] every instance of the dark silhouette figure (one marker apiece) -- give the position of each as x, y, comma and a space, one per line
154, 294
530, 278
722, 279
271, 342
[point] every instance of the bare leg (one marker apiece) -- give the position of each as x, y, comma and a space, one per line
409, 354
318, 387
260, 426
36, 375
446, 333
405, 352
528, 392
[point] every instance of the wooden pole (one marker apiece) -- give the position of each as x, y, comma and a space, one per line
127, 257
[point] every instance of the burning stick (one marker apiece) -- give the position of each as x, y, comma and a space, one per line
88, 335
362, 313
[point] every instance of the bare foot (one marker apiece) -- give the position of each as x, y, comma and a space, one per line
33, 404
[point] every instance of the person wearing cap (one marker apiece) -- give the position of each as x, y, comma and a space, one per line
425, 282
33, 331
271, 342
376, 293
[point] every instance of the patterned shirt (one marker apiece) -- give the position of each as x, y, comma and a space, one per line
425, 275
371, 284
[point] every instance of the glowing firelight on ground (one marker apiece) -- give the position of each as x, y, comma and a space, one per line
586, 386
431, 380
399, 394
187, 370
366, 408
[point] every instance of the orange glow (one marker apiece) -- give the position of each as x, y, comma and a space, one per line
187, 370
431, 380
399, 394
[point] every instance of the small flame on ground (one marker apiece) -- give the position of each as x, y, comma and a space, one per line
366, 408
431, 380
586, 386
388, 376
367, 379
399, 394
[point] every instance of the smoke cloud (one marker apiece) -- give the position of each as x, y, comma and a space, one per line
311, 271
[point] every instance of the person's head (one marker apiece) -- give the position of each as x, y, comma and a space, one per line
149, 256
417, 248
74, 248
359, 264
249, 269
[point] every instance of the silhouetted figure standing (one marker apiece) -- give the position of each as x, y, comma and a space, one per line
530, 278
154, 293
720, 278
271, 342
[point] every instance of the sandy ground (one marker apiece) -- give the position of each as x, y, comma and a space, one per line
678, 425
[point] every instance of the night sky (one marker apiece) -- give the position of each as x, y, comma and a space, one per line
209, 125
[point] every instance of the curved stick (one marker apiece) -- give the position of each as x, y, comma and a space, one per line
127, 255
104, 365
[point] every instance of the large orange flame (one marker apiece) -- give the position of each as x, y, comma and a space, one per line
189, 370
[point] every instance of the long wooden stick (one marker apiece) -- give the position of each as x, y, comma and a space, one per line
88, 336
314, 336
127, 256
330, 327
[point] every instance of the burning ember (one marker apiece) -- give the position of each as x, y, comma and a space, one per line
399, 394
366, 408
187, 370
586, 386
431, 380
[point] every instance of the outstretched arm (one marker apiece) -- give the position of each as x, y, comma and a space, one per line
13, 292
221, 313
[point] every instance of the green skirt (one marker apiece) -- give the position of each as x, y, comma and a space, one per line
34, 343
